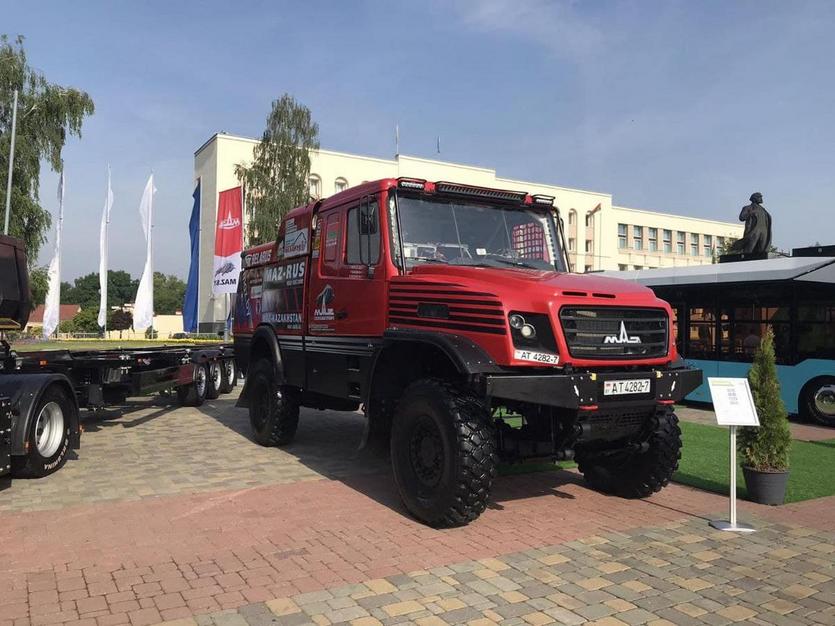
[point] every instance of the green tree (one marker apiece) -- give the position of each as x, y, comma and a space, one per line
766, 448
168, 294
39, 283
86, 321
86, 290
278, 179
47, 115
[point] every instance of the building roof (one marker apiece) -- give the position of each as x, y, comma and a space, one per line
813, 269
65, 312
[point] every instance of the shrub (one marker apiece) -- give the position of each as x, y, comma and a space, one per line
766, 448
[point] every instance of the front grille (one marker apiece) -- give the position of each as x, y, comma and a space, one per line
614, 333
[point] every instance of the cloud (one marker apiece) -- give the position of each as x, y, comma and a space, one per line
557, 26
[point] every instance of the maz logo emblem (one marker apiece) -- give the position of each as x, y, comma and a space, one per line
623, 337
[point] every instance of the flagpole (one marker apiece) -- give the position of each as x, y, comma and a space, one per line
11, 165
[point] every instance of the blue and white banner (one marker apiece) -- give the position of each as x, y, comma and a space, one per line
190, 299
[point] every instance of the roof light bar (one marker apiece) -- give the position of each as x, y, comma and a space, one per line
480, 192
411, 183
543, 199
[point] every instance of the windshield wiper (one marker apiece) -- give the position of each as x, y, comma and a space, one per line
506, 261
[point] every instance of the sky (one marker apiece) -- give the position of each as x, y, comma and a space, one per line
675, 106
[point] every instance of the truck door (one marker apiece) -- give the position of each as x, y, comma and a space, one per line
346, 305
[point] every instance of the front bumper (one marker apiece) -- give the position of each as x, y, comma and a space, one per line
585, 389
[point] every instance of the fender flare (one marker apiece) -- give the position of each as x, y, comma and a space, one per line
25, 392
263, 343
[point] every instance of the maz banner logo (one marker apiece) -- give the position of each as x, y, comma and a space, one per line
228, 241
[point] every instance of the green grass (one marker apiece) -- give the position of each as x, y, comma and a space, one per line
97, 344
704, 464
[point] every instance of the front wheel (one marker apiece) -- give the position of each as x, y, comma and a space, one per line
443, 453
817, 400
637, 474
48, 437
273, 409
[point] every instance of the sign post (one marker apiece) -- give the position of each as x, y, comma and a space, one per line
734, 406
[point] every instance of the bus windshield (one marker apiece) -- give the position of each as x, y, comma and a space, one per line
456, 232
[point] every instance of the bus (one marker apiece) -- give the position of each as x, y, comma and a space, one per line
722, 310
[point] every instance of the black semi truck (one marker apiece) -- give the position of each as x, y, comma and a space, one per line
42, 393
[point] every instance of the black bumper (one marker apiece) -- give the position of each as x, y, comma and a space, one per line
572, 391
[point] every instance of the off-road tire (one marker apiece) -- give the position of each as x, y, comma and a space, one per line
462, 449
34, 464
273, 408
230, 375
638, 474
808, 407
194, 394
214, 381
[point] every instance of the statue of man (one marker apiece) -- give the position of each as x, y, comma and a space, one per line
757, 235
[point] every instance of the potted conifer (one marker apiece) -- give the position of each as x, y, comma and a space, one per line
765, 450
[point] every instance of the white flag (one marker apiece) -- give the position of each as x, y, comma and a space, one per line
105, 220
52, 308
143, 308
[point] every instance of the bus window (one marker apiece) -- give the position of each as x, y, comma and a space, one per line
701, 339
751, 321
815, 331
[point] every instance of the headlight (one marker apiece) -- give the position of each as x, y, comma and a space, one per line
527, 331
516, 321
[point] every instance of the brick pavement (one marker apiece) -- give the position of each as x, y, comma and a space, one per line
236, 531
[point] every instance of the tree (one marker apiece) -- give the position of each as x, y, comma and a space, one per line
47, 115
277, 180
120, 320
39, 283
86, 290
85, 321
168, 294
766, 448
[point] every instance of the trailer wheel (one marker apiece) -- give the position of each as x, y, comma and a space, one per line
638, 474
48, 440
443, 453
230, 376
214, 380
273, 408
194, 394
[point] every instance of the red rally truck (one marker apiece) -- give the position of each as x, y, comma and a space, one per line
448, 313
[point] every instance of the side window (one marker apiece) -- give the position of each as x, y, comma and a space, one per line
363, 234
331, 242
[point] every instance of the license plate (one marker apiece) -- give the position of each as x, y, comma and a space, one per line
536, 357
624, 387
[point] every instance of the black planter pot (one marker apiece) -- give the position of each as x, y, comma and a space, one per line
765, 487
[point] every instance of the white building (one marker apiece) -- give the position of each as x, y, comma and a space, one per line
599, 235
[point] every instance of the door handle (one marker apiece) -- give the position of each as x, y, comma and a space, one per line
341, 314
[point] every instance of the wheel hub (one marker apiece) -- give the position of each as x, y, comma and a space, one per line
426, 453
49, 429
825, 400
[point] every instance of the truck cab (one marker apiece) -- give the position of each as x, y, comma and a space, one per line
448, 313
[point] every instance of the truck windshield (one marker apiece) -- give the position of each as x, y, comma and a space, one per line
456, 232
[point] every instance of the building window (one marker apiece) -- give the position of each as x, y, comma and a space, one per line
589, 245
720, 245
653, 240
680, 237
638, 237
668, 241
315, 186
588, 268
622, 267
694, 244
621, 236
572, 244
340, 184
638, 267
708, 243
589, 220
572, 217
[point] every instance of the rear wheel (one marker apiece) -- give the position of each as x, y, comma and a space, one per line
230, 376
49, 435
214, 380
273, 408
637, 474
194, 394
817, 400
443, 453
